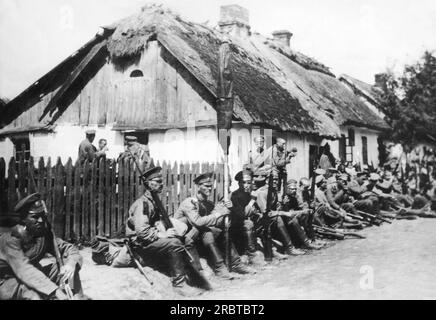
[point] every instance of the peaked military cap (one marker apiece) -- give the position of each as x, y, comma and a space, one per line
152, 173
293, 183
30, 204
374, 177
331, 180
320, 172
131, 138
343, 176
362, 173
319, 179
259, 138
244, 173
204, 178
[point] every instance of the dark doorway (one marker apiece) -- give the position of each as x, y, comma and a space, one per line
313, 158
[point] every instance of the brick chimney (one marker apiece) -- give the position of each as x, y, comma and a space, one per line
234, 20
380, 81
283, 37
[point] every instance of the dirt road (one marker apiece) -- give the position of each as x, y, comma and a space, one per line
396, 261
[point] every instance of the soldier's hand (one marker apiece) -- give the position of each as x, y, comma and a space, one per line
59, 295
274, 214
228, 204
171, 233
67, 272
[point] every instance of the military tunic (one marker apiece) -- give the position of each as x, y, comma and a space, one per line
86, 151
20, 269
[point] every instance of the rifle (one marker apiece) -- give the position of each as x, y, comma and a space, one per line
340, 234
59, 261
168, 224
312, 198
135, 259
373, 217
266, 220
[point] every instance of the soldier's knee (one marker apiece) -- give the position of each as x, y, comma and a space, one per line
174, 243
279, 222
208, 238
248, 225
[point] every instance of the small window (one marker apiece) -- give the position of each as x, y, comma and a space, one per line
364, 150
21, 148
136, 74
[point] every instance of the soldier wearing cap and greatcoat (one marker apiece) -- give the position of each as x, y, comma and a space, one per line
22, 274
87, 151
205, 221
151, 240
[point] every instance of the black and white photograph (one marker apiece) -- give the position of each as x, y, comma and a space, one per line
219, 150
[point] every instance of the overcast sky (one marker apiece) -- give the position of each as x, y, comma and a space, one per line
356, 37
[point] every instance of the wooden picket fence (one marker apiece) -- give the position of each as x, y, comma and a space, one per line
93, 198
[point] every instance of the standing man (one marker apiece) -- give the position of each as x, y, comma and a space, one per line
150, 239
206, 224
86, 149
258, 157
137, 150
21, 275
280, 159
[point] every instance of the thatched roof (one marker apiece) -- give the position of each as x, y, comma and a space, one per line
273, 85
369, 92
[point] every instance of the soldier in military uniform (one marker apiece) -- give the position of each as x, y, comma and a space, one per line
87, 151
278, 227
151, 241
242, 228
206, 223
140, 152
259, 157
22, 277
298, 217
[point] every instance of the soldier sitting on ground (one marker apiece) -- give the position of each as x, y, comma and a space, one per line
205, 222
22, 276
279, 230
151, 241
298, 217
242, 228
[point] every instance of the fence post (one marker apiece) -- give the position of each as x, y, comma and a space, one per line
93, 198
76, 203
58, 207
68, 198
12, 195
3, 191
86, 200
107, 197
120, 180
49, 189
101, 163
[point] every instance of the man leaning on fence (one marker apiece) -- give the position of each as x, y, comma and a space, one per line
23, 274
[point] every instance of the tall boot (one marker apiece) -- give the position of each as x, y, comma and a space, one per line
289, 249
178, 276
253, 256
237, 265
218, 262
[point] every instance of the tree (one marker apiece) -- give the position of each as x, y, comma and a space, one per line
409, 101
